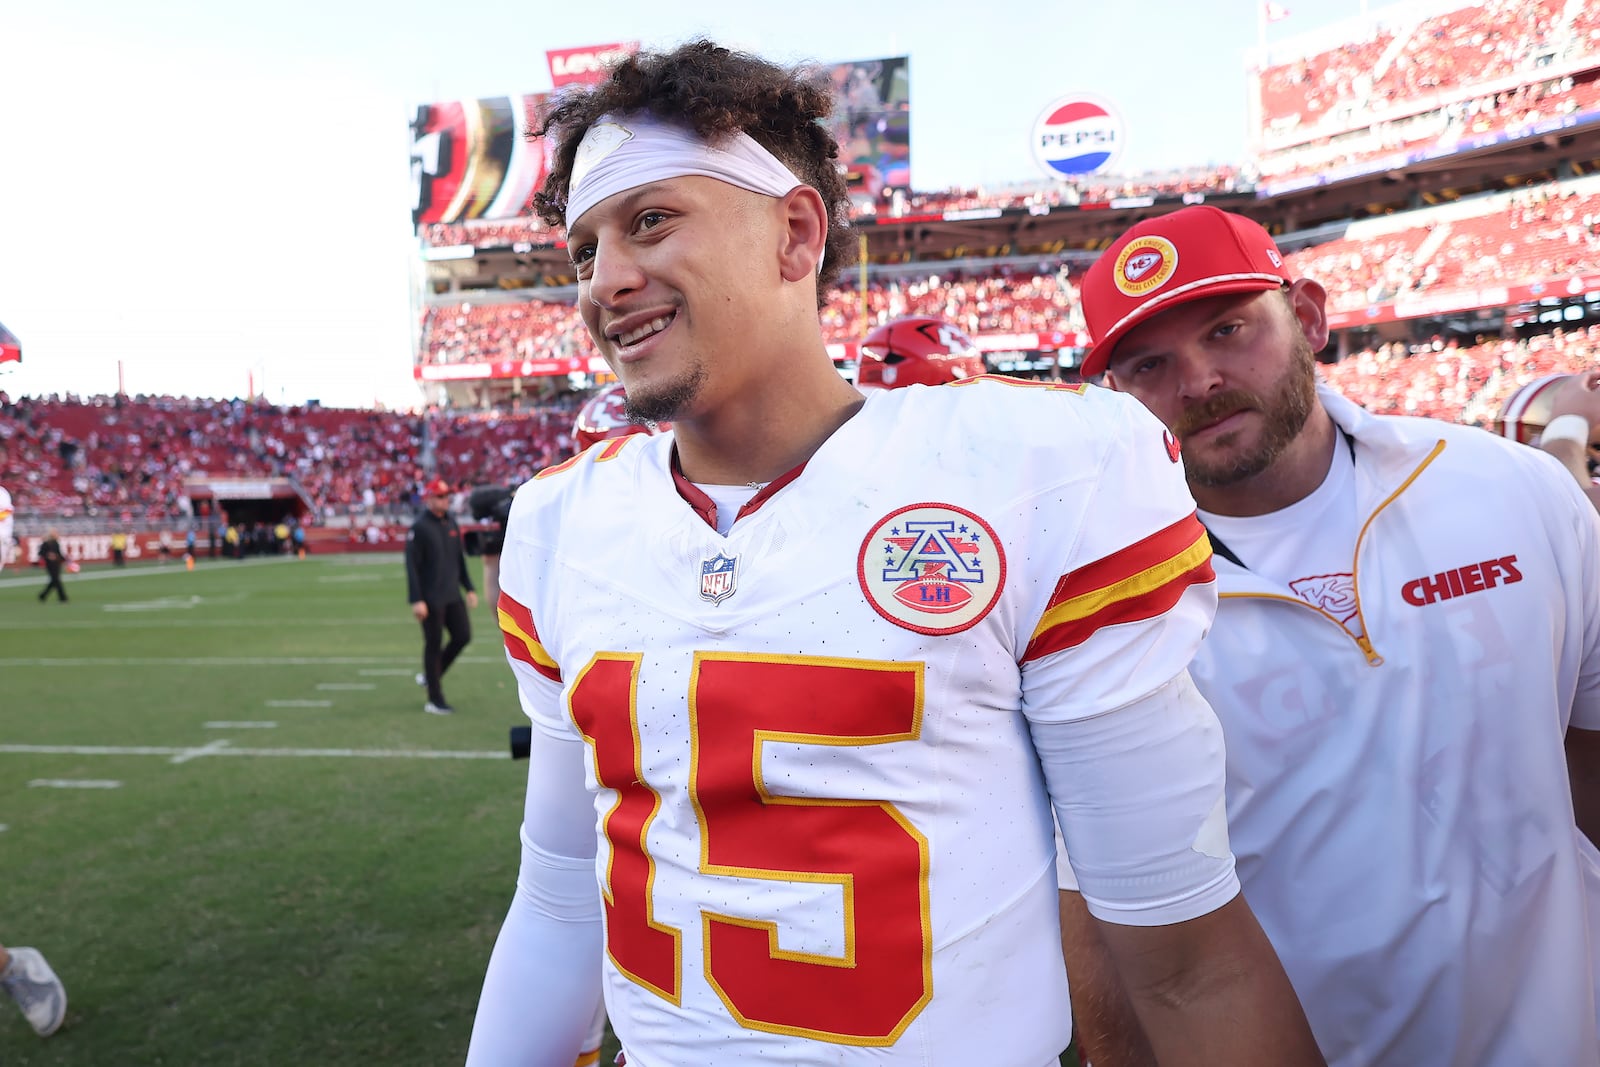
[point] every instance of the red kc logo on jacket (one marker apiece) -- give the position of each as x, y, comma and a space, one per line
1473, 578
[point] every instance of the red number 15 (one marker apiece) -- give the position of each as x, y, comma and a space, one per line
870, 993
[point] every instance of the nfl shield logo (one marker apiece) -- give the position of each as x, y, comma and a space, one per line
718, 578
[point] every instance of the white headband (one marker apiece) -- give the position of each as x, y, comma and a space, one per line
619, 153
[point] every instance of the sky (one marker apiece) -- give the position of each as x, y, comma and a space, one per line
200, 197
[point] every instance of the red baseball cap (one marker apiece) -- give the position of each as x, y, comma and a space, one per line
437, 487
1192, 253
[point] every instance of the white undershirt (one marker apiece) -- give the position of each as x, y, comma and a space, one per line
729, 500
1308, 546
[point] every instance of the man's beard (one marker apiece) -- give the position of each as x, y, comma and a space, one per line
1285, 408
667, 402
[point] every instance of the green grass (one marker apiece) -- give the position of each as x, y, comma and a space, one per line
250, 910
215, 910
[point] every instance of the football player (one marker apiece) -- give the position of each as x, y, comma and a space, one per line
1559, 413
807, 674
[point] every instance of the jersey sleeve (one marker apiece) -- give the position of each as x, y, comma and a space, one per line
1132, 754
1133, 592
525, 563
1142, 828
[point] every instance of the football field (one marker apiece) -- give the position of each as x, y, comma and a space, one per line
231, 828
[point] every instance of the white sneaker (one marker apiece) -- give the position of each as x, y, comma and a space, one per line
30, 982
438, 709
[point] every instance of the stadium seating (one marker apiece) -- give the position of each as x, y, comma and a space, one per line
71, 457
1002, 300
1542, 234
1410, 87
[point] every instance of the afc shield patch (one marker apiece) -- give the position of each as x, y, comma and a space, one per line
933, 568
719, 578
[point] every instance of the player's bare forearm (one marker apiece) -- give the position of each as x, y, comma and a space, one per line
1211, 990
1108, 1030
1583, 770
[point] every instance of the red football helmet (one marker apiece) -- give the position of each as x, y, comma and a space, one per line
604, 416
1526, 411
917, 350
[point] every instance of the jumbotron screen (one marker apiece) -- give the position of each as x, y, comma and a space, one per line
470, 159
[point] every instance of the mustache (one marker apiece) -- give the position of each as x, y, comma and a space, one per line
1215, 409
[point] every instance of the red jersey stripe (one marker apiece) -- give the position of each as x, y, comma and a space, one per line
1140, 582
522, 639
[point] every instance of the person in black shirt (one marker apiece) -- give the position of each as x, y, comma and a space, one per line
436, 573
53, 558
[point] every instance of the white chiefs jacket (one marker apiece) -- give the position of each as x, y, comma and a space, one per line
1399, 805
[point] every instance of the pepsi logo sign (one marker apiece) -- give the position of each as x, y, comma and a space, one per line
1078, 135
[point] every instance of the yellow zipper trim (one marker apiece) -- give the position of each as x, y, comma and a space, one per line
1366, 646
1373, 658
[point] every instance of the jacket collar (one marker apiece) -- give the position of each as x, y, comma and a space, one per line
1388, 451
1395, 444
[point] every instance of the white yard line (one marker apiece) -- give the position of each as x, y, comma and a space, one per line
73, 783
210, 749
299, 703
307, 753
343, 687
240, 725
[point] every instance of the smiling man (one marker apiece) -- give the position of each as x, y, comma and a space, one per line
808, 673
1406, 664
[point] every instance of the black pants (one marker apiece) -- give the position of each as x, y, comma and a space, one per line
435, 661
55, 582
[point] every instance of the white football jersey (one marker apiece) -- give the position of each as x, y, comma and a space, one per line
825, 837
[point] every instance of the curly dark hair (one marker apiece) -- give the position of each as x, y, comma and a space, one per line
716, 92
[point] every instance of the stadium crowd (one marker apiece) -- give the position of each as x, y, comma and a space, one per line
1403, 63
1408, 87
1543, 234
996, 300
130, 456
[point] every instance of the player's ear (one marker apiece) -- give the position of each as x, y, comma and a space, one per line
804, 233
1309, 302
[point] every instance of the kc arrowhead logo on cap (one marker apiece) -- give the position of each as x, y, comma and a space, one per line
1145, 264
